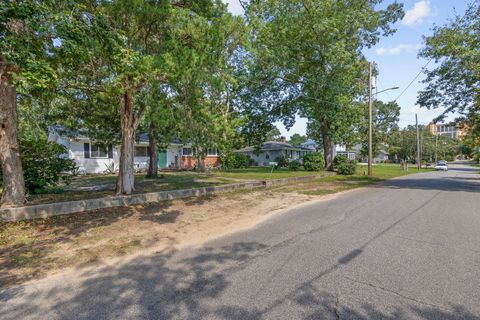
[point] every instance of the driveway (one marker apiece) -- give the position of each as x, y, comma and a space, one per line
408, 248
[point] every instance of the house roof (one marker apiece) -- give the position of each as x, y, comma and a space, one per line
309, 142
81, 134
273, 145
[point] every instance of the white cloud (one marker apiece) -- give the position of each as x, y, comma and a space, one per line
234, 7
404, 47
420, 10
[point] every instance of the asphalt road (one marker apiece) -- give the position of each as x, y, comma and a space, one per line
406, 249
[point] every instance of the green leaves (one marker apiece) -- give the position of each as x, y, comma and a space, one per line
306, 58
454, 83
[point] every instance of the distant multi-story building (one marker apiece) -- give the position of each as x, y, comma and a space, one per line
451, 130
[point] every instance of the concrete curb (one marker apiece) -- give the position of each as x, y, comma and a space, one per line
67, 207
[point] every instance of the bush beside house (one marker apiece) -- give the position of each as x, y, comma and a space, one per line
281, 161
294, 165
343, 165
44, 164
313, 161
236, 161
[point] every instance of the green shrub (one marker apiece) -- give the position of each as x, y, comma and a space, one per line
294, 165
236, 161
313, 161
281, 161
343, 165
44, 164
338, 160
347, 168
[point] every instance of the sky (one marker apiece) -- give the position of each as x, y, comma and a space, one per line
397, 57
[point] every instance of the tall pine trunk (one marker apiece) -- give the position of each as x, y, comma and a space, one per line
13, 193
327, 145
126, 177
153, 145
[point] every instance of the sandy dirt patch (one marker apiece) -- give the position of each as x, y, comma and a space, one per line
36, 248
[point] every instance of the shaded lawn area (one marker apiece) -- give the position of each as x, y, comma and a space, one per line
79, 187
77, 190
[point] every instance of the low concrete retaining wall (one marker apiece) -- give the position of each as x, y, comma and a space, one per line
67, 207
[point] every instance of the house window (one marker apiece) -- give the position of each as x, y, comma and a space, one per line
212, 152
142, 151
187, 151
267, 156
97, 151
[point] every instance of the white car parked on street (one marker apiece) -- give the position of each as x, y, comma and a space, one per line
441, 165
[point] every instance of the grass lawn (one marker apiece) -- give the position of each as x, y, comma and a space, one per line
337, 183
80, 187
262, 173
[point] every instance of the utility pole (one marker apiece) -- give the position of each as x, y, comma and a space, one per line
370, 171
436, 144
421, 147
418, 143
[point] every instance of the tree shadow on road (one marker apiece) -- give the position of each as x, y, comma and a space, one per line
167, 286
459, 184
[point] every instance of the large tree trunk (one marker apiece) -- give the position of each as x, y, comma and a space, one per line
201, 164
126, 177
153, 164
327, 145
200, 157
13, 193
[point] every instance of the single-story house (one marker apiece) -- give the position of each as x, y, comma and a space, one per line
270, 150
339, 149
91, 157
381, 156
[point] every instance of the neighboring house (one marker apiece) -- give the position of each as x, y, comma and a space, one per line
93, 158
270, 150
310, 144
381, 156
338, 150
342, 151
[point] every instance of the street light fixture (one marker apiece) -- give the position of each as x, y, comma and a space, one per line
392, 88
370, 102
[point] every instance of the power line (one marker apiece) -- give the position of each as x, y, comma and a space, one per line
386, 92
415, 78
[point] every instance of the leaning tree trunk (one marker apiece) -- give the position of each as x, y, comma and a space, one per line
153, 145
13, 192
126, 177
327, 145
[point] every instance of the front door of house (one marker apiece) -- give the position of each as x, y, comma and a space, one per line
162, 159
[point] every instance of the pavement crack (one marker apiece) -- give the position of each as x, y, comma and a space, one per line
396, 293
335, 309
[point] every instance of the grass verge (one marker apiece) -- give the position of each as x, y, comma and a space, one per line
79, 189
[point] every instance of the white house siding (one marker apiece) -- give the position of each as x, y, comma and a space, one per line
99, 165
172, 151
90, 165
